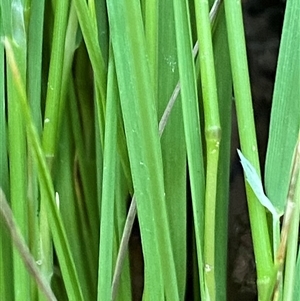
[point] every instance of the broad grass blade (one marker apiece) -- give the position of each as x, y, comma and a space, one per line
285, 114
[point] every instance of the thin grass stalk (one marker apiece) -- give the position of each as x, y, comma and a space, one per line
213, 137
243, 102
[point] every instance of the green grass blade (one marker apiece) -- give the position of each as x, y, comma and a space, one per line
14, 27
285, 114
151, 32
53, 97
224, 82
88, 27
243, 102
34, 74
140, 120
6, 283
173, 143
212, 136
108, 188
191, 121
34, 89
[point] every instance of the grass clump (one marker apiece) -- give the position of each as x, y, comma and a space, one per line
115, 110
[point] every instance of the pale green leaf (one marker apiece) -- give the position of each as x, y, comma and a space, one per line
256, 185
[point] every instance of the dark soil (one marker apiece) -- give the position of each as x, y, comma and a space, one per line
263, 23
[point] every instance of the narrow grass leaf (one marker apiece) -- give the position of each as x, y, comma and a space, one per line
34, 92
285, 114
224, 84
108, 188
6, 283
151, 13
53, 98
172, 143
190, 109
34, 75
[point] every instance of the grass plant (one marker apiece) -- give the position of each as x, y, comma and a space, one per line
112, 112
